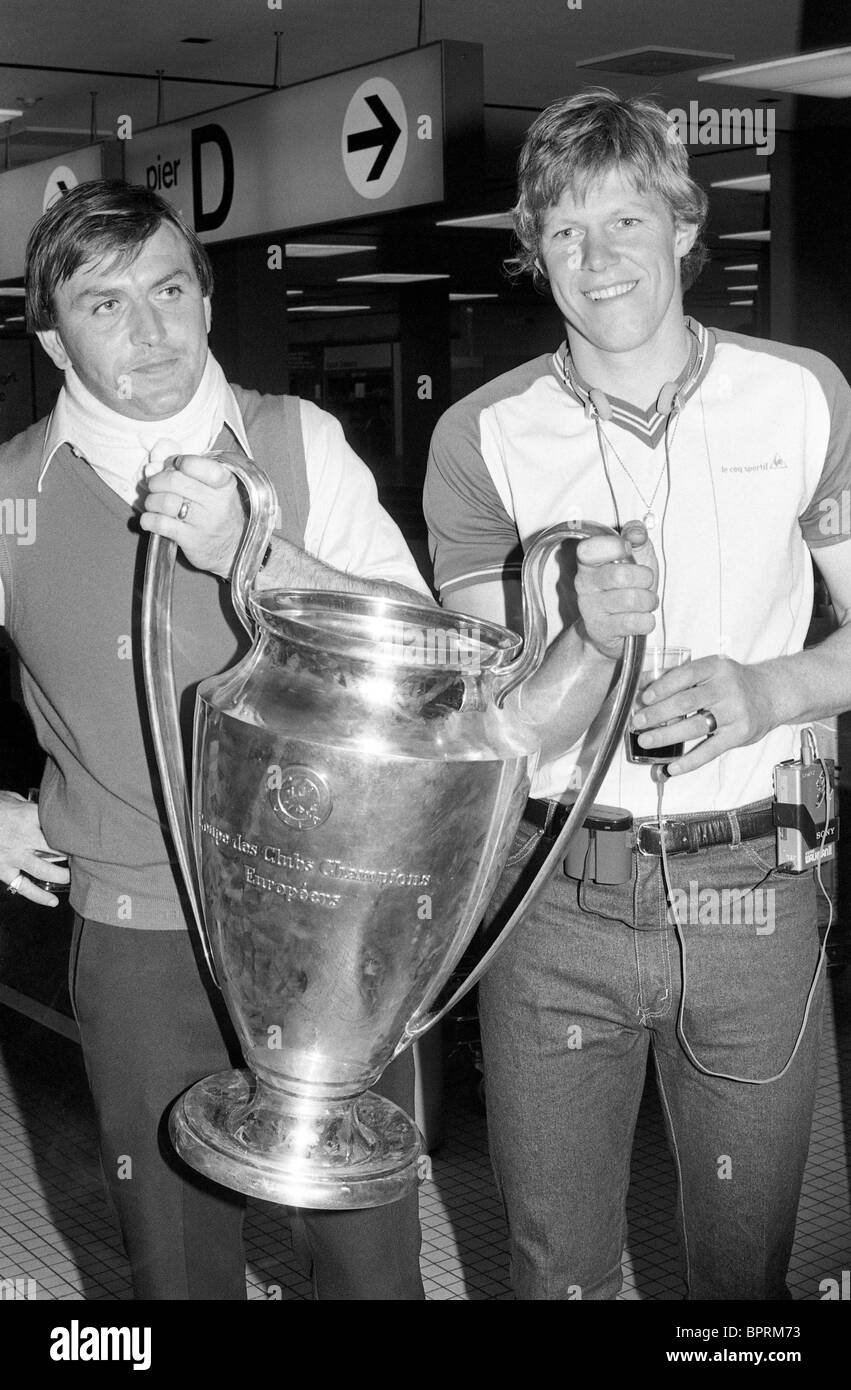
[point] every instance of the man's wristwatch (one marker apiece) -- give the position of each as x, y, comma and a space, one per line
226, 578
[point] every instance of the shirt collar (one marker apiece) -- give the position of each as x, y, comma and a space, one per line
648, 425
56, 430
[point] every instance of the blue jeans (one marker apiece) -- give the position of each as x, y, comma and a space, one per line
590, 980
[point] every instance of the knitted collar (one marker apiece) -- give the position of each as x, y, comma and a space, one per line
647, 425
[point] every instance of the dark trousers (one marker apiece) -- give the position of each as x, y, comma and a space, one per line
149, 1029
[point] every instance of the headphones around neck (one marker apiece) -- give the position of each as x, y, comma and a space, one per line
669, 402
597, 403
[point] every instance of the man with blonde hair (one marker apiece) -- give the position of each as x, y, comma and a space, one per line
713, 455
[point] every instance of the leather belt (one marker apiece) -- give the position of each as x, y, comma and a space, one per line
682, 836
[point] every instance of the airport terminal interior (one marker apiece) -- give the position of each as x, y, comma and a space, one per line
350, 167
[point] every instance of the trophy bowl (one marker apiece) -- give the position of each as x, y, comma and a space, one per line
357, 782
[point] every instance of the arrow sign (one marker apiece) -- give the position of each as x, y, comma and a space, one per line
384, 136
373, 155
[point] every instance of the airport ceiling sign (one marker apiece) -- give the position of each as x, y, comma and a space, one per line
374, 152
28, 192
372, 139
60, 181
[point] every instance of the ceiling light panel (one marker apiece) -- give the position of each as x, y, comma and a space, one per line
752, 183
490, 221
310, 250
388, 277
326, 308
654, 61
745, 236
826, 73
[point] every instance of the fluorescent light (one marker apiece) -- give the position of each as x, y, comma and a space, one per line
497, 221
9, 113
459, 298
654, 61
734, 289
745, 236
388, 277
291, 294
326, 308
65, 130
826, 73
12, 292
740, 301
14, 318
753, 183
313, 249
740, 269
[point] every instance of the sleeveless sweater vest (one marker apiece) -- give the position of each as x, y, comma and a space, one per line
73, 605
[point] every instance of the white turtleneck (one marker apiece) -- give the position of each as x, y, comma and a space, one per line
346, 528
122, 451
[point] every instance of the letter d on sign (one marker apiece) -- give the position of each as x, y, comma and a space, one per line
211, 135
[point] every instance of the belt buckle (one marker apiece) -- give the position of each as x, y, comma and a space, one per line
645, 825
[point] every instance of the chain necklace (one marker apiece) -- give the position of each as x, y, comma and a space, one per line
650, 519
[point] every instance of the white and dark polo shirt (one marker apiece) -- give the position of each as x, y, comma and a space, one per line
760, 458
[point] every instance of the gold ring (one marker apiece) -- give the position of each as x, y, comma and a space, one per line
183, 511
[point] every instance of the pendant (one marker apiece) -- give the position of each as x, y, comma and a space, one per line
650, 520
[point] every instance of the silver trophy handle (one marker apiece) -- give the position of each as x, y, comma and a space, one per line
158, 665
534, 647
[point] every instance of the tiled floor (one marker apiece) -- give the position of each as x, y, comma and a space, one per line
57, 1240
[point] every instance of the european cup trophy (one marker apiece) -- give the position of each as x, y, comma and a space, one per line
357, 782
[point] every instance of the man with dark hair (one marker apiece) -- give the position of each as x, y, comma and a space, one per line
118, 290
110, 218
729, 450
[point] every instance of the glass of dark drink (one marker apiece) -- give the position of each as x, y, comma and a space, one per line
657, 660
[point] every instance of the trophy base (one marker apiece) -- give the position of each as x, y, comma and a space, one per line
335, 1155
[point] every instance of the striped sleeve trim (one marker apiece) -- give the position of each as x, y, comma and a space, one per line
472, 536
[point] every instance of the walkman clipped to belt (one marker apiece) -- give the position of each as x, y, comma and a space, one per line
805, 809
602, 848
